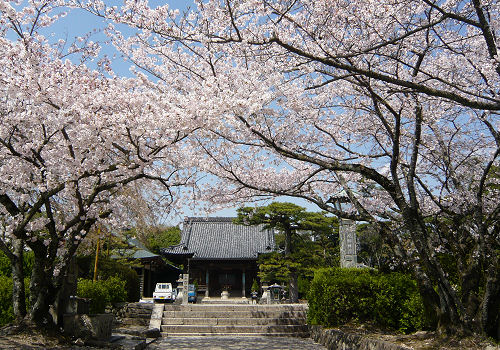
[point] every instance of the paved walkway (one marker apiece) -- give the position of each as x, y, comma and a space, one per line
235, 343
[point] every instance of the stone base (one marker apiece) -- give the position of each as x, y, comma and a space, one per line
97, 326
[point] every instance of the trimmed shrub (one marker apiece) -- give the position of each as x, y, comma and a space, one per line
338, 296
102, 292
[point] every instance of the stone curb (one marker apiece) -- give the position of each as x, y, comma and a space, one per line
335, 339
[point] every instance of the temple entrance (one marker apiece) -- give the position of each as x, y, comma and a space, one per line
216, 276
227, 279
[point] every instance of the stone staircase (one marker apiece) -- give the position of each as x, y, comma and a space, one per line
234, 320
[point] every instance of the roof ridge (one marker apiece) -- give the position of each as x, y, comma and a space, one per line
209, 219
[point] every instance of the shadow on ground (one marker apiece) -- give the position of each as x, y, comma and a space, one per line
233, 343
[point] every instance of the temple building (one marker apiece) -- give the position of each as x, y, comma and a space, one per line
219, 255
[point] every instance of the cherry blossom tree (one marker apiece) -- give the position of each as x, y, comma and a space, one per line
71, 140
395, 103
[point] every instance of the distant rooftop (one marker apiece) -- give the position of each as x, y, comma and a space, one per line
218, 238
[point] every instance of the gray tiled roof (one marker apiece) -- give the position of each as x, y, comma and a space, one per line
138, 251
219, 238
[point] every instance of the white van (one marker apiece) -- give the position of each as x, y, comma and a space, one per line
163, 292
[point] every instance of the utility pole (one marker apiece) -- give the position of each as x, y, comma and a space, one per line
97, 252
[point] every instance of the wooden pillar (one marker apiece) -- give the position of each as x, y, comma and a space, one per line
243, 283
207, 282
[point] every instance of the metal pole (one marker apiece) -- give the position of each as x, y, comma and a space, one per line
97, 252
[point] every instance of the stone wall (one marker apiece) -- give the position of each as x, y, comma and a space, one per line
335, 339
136, 314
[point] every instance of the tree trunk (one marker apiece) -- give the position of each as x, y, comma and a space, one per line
430, 298
450, 307
42, 295
490, 308
293, 288
18, 292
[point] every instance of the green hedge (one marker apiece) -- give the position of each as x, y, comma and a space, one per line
102, 292
338, 296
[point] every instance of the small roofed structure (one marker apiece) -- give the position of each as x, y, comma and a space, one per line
220, 255
151, 268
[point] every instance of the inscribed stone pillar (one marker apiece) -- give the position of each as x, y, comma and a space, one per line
185, 284
348, 253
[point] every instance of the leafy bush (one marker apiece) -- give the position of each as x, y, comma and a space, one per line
338, 296
6, 307
116, 289
6, 266
102, 292
111, 268
96, 291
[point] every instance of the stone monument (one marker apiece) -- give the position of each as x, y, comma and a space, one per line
348, 244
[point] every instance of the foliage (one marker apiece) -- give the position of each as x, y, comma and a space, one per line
255, 286
108, 268
284, 216
116, 289
6, 266
338, 296
161, 237
102, 292
308, 255
307, 239
274, 267
6, 307
376, 252
96, 291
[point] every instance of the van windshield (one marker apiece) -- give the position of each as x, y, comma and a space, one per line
164, 287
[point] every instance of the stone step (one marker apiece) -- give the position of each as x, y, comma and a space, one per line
217, 301
295, 334
233, 307
140, 306
142, 321
261, 329
234, 314
135, 331
232, 321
